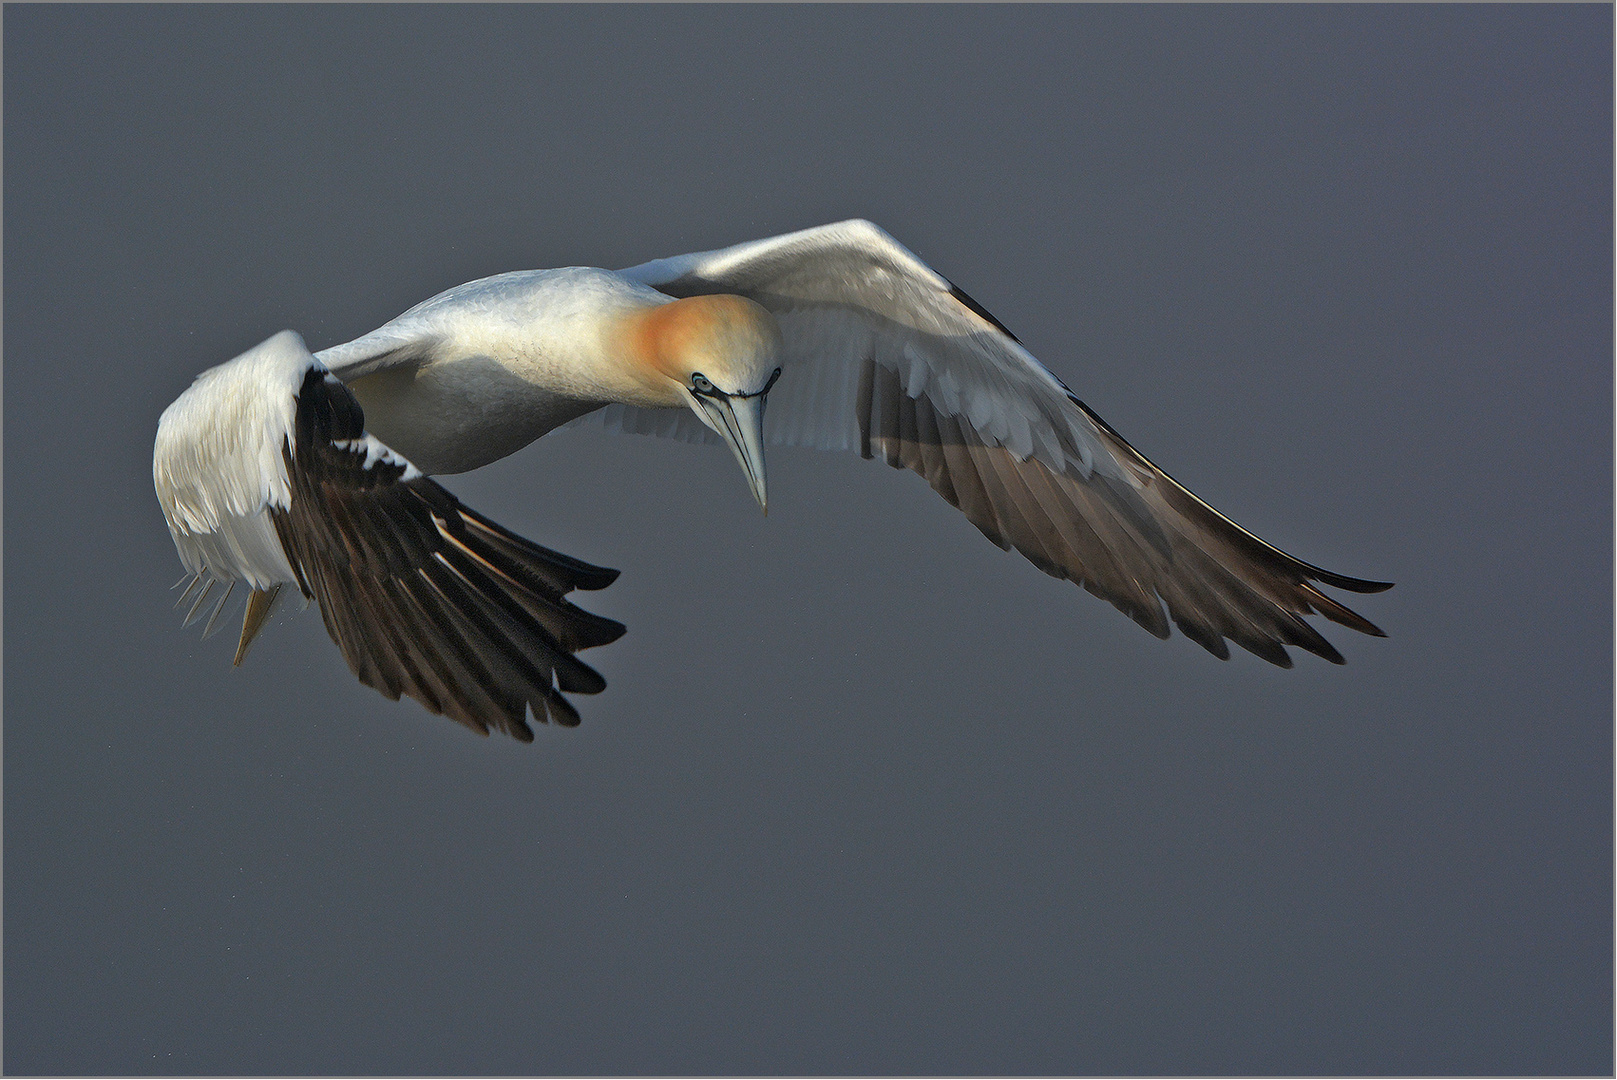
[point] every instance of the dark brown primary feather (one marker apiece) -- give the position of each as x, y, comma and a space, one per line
425, 596
1129, 544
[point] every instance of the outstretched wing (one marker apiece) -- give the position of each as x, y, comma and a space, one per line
266, 474
886, 355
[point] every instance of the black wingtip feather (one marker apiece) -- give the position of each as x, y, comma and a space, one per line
1342, 581
424, 596
1138, 540
561, 572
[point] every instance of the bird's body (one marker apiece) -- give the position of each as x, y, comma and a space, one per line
492, 365
271, 471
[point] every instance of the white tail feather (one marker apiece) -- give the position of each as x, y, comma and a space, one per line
208, 630
196, 579
191, 616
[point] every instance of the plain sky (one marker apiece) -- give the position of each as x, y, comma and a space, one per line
864, 793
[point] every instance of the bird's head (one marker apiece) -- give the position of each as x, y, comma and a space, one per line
723, 352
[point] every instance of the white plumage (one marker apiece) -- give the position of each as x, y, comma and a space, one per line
872, 350
217, 462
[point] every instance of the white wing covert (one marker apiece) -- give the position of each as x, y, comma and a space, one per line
886, 355
266, 474
217, 465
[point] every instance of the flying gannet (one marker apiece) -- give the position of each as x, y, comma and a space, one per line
284, 468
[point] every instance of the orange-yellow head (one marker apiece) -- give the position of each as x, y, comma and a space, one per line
724, 353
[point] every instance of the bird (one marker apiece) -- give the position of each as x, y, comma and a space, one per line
288, 469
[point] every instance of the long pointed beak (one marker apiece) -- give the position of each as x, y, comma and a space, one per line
741, 421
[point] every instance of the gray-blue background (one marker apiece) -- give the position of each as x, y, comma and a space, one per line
864, 793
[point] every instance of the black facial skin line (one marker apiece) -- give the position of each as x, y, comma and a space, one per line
719, 395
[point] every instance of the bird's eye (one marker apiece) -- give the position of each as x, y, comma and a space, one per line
701, 382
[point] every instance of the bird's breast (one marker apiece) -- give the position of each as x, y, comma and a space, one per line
452, 416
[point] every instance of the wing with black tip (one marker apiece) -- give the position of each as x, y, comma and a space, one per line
886, 356
266, 473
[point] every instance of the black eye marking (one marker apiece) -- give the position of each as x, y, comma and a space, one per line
703, 386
